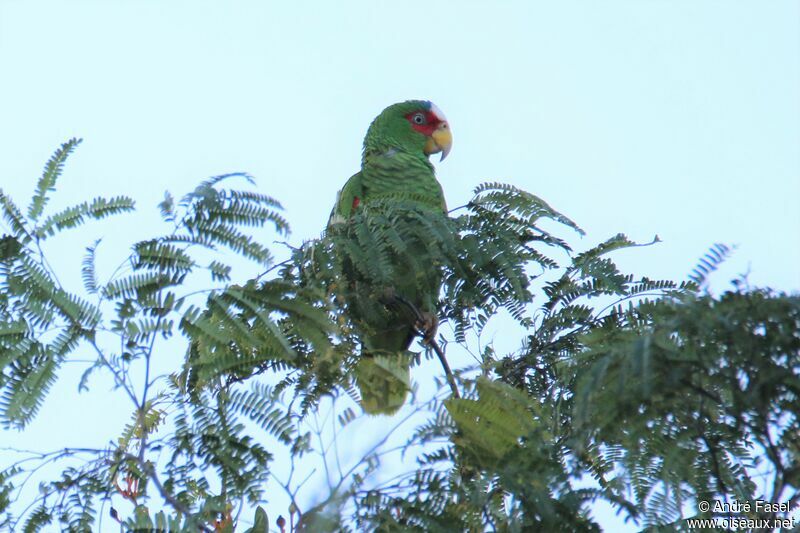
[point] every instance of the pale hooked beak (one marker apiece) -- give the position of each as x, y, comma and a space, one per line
441, 140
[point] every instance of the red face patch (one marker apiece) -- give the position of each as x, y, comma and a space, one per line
424, 121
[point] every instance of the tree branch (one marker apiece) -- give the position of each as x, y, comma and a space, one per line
432, 344
150, 470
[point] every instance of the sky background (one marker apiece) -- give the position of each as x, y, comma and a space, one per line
649, 117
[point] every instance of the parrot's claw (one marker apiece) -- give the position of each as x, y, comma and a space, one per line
428, 326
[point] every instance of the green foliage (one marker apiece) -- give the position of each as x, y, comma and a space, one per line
260, 522
684, 395
493, 423
709, 263
47, 183
646, 394
151, 298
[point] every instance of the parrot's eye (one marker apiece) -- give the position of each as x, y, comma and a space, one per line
418, 118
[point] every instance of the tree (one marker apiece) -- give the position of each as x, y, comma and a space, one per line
648, 394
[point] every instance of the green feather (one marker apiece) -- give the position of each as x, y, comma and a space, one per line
394, 166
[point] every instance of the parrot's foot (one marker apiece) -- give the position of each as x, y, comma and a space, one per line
426, 323
428, 326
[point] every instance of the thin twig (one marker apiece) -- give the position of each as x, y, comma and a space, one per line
150, 471
432, 344
272, 268
448, 373
335, 443
119, 379
324, 454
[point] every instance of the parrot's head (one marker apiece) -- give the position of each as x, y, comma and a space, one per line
415, 126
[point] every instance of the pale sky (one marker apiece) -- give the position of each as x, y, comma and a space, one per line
679, 118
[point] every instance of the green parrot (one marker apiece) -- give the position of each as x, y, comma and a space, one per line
394, 162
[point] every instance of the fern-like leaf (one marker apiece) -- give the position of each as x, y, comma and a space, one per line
88, 274
52, 170
710, 262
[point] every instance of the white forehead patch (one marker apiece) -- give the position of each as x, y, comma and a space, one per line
438, 112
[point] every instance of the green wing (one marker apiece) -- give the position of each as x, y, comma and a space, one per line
383, 374
343, 208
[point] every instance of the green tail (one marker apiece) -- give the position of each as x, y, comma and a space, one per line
383, 375
384, 382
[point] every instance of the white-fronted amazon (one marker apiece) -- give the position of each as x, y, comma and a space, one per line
394, 165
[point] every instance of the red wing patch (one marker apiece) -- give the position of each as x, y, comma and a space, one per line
356, 201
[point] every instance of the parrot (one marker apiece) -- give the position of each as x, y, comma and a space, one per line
395, 161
